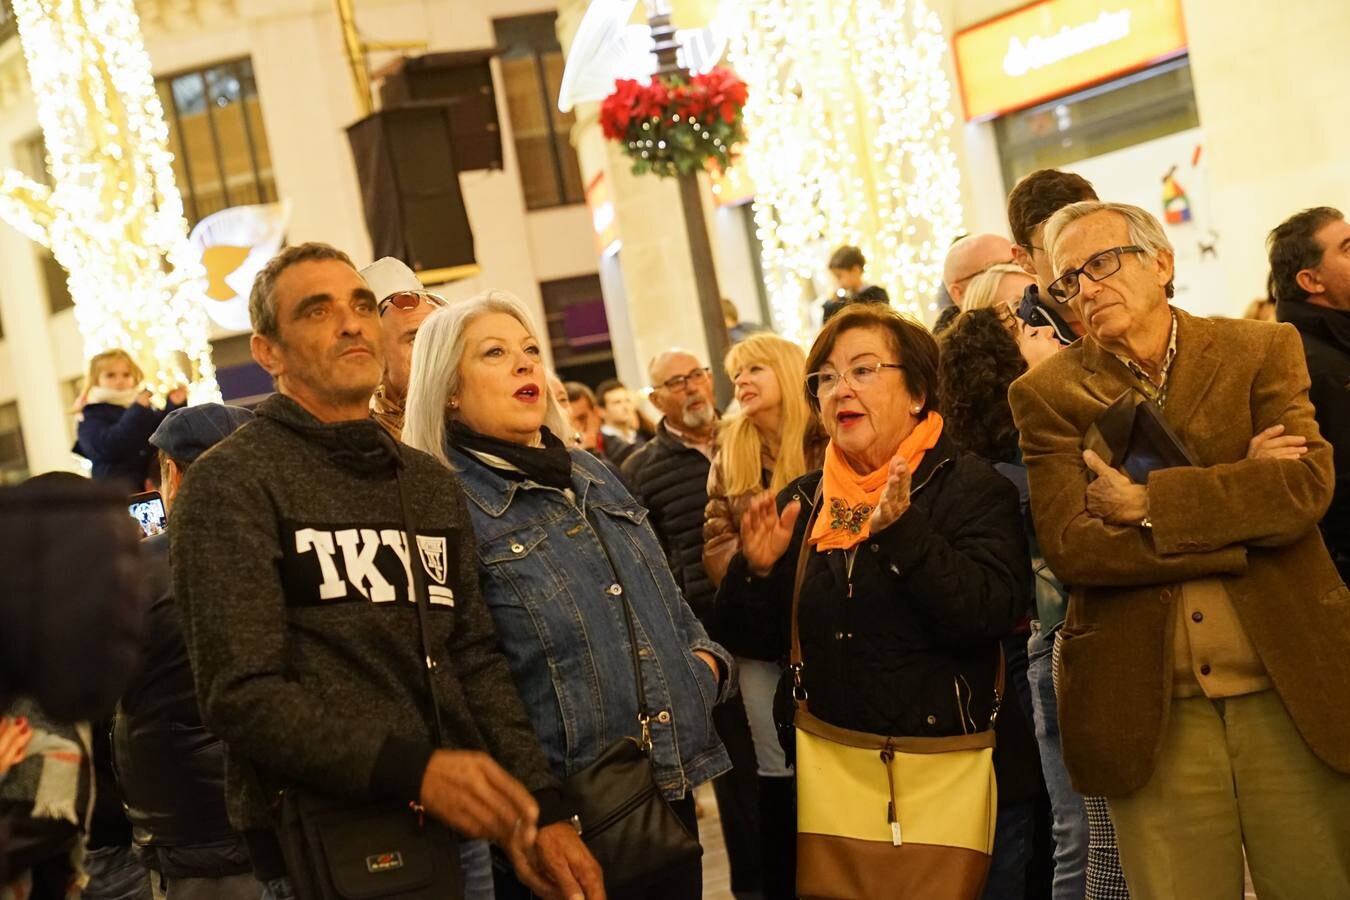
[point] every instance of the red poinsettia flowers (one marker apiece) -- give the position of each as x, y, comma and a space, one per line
675, 125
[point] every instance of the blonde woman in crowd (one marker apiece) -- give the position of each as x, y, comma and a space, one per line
773, 439
999, 285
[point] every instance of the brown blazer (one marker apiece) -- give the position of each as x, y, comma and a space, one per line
1253, 523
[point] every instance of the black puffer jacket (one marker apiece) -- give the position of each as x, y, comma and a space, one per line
913, 650
171, 769
1326, 344
671, 480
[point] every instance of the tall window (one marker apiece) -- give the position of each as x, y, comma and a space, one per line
532, 67
221, 157
13, 456
32, 160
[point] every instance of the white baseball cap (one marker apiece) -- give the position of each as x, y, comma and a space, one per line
390, 276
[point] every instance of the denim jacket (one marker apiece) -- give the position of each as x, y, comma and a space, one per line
554, 594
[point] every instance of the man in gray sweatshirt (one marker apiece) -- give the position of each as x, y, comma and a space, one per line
292, 567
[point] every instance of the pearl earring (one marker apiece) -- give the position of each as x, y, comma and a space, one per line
915, 409
454, 404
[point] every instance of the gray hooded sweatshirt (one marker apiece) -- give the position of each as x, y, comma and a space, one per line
290, 565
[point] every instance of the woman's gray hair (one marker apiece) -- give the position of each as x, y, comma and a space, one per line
1144, 230
437, 353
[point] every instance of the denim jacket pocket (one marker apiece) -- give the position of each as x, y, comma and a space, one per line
513, 545
632, 510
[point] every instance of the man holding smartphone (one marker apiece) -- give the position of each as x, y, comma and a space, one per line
170, 768
1033, 201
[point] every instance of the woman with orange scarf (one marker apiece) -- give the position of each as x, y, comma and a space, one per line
917, 563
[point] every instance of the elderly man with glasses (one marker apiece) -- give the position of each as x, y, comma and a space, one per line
1205, 654
669, 476
403, 304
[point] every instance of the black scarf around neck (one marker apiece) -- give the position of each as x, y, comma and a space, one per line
550, 464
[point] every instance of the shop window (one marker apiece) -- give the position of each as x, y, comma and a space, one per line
220, 153
1131, 110
32, 161
532, 67
13, 456
574, 310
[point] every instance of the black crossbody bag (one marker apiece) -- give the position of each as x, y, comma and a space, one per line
337, 849
625, 820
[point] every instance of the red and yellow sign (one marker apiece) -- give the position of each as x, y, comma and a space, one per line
1054, 47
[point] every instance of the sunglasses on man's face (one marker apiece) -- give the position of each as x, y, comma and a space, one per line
409, 300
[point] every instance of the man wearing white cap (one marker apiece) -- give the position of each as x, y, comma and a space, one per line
403, 305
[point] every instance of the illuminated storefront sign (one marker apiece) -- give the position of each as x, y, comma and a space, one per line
1057, 46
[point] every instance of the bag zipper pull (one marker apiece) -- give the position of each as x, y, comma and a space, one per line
891, 819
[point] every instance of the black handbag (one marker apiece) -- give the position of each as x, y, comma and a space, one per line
336, 849
624, 818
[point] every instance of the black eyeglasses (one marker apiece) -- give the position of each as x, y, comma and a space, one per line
823, 384
681, 382
406, 300
1102, 265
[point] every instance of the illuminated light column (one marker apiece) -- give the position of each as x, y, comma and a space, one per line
114, 217
849, 143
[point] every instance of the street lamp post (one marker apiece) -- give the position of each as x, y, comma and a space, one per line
695, 223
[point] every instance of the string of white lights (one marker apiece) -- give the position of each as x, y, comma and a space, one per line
849, 143
114, 217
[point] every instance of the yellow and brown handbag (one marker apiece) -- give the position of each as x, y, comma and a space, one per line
890, 818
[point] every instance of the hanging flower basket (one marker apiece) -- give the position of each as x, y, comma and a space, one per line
674, 125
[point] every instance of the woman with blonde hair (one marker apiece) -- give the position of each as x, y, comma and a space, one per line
574, 576
773, 440
1000, 285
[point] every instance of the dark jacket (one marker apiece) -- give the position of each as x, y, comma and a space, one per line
908, 644
671, 480
548, 564
1036, 312
870, 294
1326, 344
291, 568
116, 440
170, 767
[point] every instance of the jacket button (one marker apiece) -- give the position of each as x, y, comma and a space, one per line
1165, 595
1205, 669
663, 717
517, 548
1197, 616
874, 548
615, 590
932, 720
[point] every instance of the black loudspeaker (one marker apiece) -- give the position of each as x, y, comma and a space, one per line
410, 190
463, 80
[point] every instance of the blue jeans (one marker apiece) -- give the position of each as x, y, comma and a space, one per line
1012, 851
1071, 823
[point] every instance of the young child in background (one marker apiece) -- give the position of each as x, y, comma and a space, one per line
116, 419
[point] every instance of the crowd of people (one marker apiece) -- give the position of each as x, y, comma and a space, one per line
428, 580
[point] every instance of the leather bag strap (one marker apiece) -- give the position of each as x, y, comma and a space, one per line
423, 601
795, 663
644, 714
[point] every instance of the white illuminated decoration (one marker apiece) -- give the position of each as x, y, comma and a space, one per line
1039, 52
848, 120
114, 217
614, 41
233, 246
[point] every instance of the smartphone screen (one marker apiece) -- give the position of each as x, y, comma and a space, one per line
148, 511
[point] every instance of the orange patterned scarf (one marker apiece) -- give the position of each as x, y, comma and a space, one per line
846, 520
